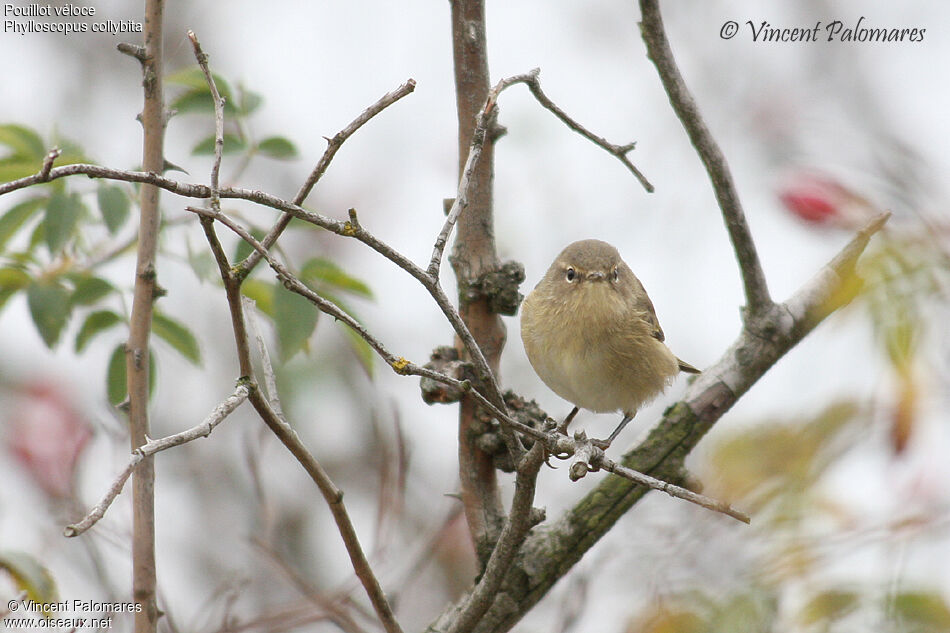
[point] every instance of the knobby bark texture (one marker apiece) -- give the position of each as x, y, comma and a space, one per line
137, 353
473, 255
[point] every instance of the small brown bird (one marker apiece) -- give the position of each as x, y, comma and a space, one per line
591, 334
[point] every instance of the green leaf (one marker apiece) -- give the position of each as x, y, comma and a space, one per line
262, 293
250, 101
232, 144
16, 217
89, 290
829, 606
318, 271
12, 280
194, 78
23, 142
116, 385
62, 217
30, 576
277, 147
114, 206
200, 101
16, 167
192, 101
178, 336
203, 265
95, 323
244, 249
295, 319
364, 353
928, 611
50, 309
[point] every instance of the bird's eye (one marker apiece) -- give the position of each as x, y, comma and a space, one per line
616, 274
571, 274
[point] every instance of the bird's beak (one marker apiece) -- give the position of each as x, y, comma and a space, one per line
596, 276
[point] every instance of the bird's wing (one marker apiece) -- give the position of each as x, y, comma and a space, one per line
644, 307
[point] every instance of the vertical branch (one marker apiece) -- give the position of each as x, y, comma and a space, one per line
143, 484
474, 255
758, 300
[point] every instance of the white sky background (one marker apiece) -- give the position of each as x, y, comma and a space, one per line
318, 64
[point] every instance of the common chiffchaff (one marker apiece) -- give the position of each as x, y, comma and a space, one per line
592, 336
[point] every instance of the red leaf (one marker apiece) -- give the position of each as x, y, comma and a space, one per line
46, 435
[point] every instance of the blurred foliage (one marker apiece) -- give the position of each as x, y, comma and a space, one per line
239, 104
806, 531
802, 529
907, 281
31, 576
57, 239
294, 318
773, 467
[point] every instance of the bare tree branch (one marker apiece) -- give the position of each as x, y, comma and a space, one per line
474, 255
671, 489
329, 604
520, 520
483, 122
217, 415
758, 300
140, 324
202, 58
333, 145
334, 498
270, 378
461, 198
619, 151
271, 416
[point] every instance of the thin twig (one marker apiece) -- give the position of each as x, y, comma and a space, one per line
334, 498
461, 199
270, 378
399, 364
758, 300
670, 489
202, 58
217, 415
51, 156
482, 122
132, 50
482, 369
271, 415
352, 228
333, 145
334, 611
619, 151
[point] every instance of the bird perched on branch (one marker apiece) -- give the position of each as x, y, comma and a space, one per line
591, 334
